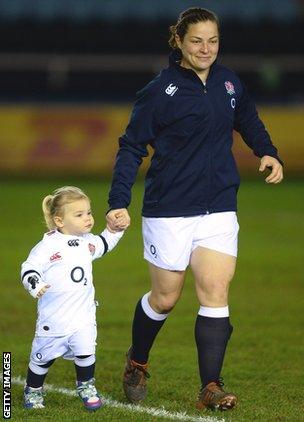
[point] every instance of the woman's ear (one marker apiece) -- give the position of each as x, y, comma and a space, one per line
178, 41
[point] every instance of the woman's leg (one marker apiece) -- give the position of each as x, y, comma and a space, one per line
153, 309
150, 314
213, 272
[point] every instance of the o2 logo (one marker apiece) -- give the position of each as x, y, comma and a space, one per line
77, 275
153, 251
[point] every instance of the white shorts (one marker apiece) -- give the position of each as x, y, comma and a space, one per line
169, 242
82, 342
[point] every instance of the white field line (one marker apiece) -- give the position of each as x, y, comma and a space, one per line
153, 411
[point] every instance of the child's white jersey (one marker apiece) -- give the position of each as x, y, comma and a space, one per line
65, 263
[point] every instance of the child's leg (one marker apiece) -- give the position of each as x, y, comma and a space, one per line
43, 354
85, 367
82, 344
37, 373
33, 391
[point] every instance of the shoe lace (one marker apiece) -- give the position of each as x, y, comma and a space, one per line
220, 382
87, 389
208, 394
136, 373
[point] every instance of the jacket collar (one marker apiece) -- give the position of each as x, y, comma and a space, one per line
175, 58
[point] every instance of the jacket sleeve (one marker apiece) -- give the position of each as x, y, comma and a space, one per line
141, 130
252, 129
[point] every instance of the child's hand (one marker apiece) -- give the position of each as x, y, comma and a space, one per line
43, 290
111, 230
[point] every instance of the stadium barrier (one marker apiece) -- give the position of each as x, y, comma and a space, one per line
82, 139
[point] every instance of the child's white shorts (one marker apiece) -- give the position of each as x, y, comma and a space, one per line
169, 242
82, 342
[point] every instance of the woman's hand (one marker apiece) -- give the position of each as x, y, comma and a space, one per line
118, 220
276, 175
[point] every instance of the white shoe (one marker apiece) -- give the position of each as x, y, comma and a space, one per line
33, 398
86, 390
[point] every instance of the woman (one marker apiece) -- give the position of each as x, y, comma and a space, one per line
187, 114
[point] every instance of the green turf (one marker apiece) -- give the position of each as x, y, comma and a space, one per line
264, 362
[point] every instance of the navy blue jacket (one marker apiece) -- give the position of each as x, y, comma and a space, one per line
189, 125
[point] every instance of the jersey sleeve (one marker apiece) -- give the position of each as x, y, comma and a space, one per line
103, 243
33, 268
248, 123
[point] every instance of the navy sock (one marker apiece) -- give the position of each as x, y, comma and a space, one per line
84, 373
144, 332
211, 335
36, 380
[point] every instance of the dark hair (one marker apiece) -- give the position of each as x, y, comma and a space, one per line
186, 18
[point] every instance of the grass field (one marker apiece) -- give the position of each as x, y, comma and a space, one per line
264, 362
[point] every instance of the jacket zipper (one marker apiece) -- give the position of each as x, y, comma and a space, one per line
207, 210
209, 164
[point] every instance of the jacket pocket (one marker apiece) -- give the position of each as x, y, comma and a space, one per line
157, 181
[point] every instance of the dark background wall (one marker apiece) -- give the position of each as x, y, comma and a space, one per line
96, 50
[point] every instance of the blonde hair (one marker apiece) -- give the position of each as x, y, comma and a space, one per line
52, 204
188, 17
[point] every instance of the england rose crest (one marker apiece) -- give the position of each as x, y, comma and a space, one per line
92, 248
229, 87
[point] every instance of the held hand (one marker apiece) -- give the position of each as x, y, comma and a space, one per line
43, 290
118, 219
276, 175
110, 229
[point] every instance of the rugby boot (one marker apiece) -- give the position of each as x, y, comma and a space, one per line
214, 397
134, 380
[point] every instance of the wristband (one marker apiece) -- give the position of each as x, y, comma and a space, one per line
34, 284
